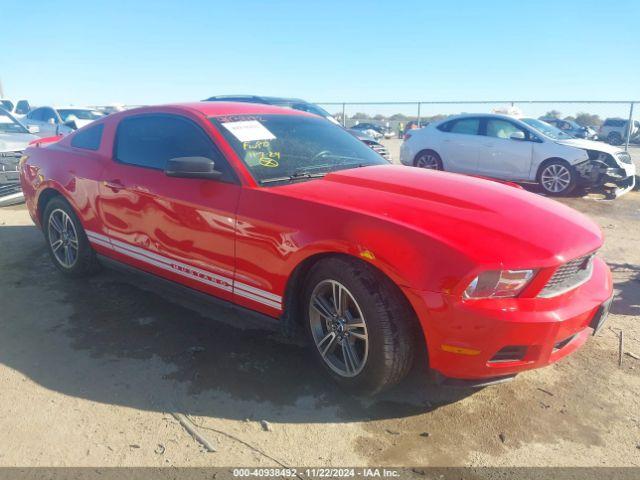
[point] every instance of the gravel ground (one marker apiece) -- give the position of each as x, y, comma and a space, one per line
90, 372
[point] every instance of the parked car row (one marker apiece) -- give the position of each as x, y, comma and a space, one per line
518, 149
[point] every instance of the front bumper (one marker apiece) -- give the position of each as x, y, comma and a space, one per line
464, 336
622, 177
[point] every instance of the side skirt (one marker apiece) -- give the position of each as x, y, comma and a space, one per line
223, 311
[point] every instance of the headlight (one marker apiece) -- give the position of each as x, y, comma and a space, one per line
498, 284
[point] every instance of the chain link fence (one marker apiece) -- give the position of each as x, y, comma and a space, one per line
612, 121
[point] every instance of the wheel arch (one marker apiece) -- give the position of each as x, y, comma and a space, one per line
292, 298
44, 198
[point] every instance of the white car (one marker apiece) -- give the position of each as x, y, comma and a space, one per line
60, 120
14, 138
521, 150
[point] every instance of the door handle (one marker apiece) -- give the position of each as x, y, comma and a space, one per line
114, 185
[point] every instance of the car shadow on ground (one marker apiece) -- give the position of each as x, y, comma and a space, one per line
107, 340
627, 291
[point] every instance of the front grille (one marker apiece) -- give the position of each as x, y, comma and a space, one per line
511, 353
9, 161
379, 148
624, 157
9, 189
569, 276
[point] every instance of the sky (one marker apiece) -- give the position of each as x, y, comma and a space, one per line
146, 52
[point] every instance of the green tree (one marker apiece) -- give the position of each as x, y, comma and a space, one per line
398, 117
588, 119
361, 116
553, 114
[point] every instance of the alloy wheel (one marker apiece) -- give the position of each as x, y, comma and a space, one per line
339, 328
427, 160
555, 178
63, 238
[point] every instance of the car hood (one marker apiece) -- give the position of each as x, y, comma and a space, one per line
489, 222
10, 142
590, 145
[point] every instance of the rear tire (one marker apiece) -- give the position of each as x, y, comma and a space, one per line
367, 343
67, 243
428, 159
614, 138
557, 177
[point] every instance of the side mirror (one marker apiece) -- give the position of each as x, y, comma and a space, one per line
192, 167
33, 129
71, 124
517, 136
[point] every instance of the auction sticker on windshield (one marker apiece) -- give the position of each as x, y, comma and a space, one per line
249, 130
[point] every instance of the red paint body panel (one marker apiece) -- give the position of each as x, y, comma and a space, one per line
430, 232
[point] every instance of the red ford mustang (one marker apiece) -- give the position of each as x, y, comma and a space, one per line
285, 214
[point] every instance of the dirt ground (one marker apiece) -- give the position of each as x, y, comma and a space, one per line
90, 371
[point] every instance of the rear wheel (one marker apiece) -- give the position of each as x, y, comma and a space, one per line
359, 324
428, 159
557, 177
68, 245
614, 138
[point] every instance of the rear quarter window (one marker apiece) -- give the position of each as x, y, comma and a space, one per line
88, 139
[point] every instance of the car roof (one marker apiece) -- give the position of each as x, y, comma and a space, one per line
215, 109
254, 98
71, 107
473, 115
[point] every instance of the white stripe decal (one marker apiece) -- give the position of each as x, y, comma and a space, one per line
188, 271
255, 298
256, 291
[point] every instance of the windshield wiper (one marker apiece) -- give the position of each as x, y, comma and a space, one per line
295, 177
307, 174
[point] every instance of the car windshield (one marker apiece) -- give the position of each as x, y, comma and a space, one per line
9, 125
79, 114
546, 129
280, 149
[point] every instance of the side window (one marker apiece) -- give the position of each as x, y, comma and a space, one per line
88, 139
498, 128
48, 114
151, 140
6, 104
22, 107
35, 114
466, 126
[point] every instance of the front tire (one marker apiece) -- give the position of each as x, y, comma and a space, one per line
557, 177
67, 243
361, 327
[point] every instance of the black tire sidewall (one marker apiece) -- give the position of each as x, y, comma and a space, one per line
372, 377
86, 257
428, 152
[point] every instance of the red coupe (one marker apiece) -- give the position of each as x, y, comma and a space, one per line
285, 214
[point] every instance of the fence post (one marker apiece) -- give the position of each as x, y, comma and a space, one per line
418, 125
629, 128
344, 119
